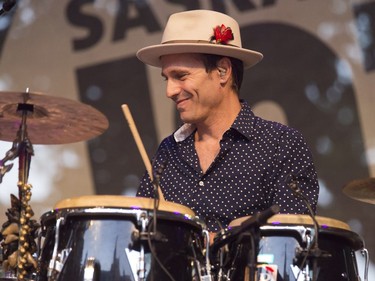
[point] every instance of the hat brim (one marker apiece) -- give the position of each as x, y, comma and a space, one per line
151, 55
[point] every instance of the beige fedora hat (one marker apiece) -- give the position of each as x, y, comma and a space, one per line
200, 31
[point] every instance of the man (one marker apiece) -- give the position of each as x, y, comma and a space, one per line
223, 162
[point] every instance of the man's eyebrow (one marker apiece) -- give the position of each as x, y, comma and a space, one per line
173, 72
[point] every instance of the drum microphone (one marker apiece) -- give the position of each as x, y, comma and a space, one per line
7, 6
260, 218
250, 229
313, 251
253, 222
293, 185
157, 173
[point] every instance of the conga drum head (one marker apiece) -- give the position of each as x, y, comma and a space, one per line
113, 201
113, 238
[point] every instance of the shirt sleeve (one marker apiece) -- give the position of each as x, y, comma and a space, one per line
293, 161
146, 188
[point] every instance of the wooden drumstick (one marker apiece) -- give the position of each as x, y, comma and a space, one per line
141, 148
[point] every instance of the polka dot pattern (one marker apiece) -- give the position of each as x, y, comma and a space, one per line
256, 162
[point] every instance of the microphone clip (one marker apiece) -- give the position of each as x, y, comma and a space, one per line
309, 254
7, 6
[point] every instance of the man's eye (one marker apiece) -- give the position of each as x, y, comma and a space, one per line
181, 76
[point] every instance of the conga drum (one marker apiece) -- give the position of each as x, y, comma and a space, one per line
285, 250
117, 238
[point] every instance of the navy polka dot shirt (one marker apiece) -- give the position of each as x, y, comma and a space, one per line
256, 162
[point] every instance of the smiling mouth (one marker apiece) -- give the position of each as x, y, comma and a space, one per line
180, 101
180, 105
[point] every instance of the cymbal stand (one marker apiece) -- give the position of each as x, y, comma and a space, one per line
22, 148
26, 151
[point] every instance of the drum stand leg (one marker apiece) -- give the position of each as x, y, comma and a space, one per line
365, 253
204, 274
309, 256
303, 273
147, 236
57, 261
52, 263
142, 261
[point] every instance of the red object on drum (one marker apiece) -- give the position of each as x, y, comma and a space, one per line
269, 268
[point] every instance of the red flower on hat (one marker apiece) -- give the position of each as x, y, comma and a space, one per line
222, 35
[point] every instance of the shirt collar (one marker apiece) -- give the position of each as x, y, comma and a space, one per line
243, 124
184, 132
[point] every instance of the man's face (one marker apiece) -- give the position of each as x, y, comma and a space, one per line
194, 91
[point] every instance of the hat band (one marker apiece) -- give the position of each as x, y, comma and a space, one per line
196, 42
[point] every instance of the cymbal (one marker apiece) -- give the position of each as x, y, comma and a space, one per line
362, 190
54, 120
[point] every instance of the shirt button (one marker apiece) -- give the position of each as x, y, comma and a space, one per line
201, 183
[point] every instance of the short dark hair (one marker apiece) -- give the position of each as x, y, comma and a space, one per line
210, 63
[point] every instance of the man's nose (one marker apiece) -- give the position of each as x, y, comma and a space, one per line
173, 89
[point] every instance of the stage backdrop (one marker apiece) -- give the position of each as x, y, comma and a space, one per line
318, 75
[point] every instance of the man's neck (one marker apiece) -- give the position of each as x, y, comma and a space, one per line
214, 128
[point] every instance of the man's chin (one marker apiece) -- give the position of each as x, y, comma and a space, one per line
185, 118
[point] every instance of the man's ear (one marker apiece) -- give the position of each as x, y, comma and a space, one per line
222, 71
224, 68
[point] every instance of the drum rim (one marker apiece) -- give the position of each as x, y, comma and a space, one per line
117, 201
120, 214
297, 219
